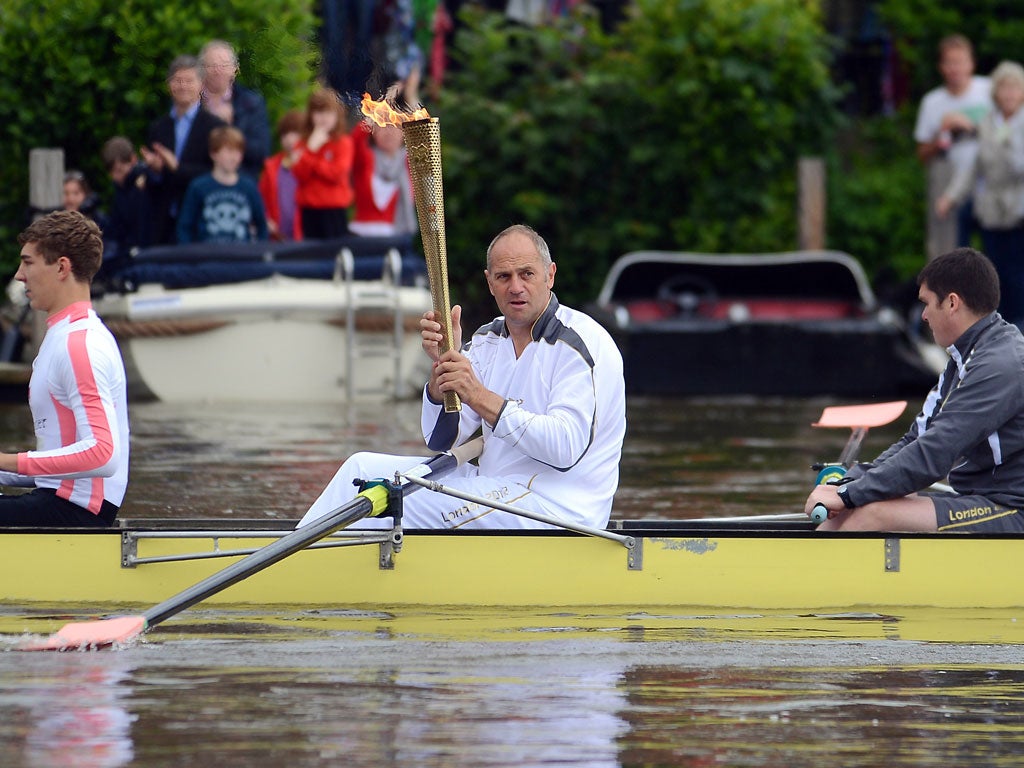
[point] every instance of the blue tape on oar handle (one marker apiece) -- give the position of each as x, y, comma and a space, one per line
820, 513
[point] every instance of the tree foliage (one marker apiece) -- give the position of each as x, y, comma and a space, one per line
679, 130
74, 74
876, 184
994, 26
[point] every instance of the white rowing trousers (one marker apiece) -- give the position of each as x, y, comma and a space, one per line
430, 509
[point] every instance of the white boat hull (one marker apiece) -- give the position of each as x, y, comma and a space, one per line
276, 339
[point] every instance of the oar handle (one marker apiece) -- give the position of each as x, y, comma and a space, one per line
819, 514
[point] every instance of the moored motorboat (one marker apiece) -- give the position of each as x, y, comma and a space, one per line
788, 324
322, 321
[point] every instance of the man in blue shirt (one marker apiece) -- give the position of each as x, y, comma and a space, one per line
178, 150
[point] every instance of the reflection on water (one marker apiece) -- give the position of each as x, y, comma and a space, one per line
876, 716
358, 688
72, 712
502, 688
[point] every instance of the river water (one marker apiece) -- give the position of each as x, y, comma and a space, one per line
222, 687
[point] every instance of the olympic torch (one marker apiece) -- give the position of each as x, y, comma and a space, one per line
423, 144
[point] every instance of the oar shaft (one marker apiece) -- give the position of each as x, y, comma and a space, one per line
358, 508
780, 518
372, 500
539, 517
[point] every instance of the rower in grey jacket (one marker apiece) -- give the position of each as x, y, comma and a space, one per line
970, 429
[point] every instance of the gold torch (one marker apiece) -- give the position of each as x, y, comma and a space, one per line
423, 144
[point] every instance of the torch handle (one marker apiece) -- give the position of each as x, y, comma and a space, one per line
443, 314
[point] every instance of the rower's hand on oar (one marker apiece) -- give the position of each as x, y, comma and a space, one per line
826, 496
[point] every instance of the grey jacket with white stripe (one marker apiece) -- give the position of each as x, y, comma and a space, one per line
970, 429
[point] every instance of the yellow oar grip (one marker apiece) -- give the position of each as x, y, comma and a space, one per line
378, 496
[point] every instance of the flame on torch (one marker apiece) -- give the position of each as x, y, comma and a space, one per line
423, 143
384, 114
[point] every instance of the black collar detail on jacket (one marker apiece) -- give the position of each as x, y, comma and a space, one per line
546, 327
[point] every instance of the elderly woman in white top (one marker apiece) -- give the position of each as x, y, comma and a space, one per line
999, 199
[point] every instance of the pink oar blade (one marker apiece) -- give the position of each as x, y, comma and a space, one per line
90, 634
870, 415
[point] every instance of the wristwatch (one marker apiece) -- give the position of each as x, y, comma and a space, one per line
844, 496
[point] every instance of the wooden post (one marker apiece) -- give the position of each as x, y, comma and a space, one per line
45, 194
45, 179
811, 203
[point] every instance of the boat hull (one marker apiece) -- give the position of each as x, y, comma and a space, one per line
789, 324
675, 565
277, 339
850, 358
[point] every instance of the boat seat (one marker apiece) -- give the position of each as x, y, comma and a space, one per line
651, 310
780, 309
747, 309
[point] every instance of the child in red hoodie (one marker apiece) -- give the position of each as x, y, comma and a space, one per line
278, 185
323, 168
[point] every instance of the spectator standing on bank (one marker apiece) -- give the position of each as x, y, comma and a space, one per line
347, 35
223, 206
179, 146
323, 167
999, 199
946, 135
78, 196
129, 225
278, 184
380, 178
235, 104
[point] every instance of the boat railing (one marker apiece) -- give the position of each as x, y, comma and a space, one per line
389, 540
383, 296
195, 265
824, 275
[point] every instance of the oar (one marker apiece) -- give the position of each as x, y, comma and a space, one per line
371, 502
820, 513
589, 530
783, 517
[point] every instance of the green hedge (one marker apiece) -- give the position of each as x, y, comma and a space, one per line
996, 28
681, 130
876, 203
74, 74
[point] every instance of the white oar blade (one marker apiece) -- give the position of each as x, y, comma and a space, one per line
85, 635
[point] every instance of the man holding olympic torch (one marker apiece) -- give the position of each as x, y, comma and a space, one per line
544, 383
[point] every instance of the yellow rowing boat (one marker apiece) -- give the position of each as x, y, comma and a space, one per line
696, 564
760, 563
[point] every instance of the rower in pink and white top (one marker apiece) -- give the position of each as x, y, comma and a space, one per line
77, 393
